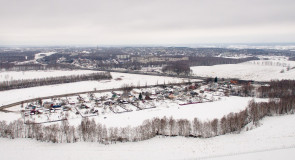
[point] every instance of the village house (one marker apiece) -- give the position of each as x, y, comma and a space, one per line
147, 59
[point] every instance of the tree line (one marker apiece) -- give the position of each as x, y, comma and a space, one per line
19, 56
17, 84
277, 89
178, 67
209, 61
27, 67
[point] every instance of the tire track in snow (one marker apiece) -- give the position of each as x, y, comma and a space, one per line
244, 153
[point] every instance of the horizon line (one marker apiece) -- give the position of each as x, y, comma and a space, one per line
148, 45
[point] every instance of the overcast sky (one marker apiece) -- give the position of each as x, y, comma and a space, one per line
121, 22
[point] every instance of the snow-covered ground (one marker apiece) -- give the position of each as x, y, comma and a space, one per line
271, 154
277, 47
18, 75
10, 116
232, 56
260, 70
37, 56
41, 55
274, 139
203, 111
119, 79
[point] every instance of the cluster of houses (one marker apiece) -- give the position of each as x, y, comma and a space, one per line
150, 58
128, 100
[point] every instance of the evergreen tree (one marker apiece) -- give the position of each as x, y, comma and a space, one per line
215, 80
140, 96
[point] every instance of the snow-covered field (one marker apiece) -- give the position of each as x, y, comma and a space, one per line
10, 116
203, 111
119, 79
18, 75
41, 55
274, 139
260, 70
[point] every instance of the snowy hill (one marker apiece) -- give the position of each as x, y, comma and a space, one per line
272, 140
261, 70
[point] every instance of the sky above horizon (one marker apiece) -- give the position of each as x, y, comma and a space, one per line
126, 22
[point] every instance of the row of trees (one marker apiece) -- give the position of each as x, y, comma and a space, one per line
209, 61
17, 84
19, 56
179, 68
193, 61
277, 89
26, 67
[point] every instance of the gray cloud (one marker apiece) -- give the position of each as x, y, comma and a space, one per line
141, 21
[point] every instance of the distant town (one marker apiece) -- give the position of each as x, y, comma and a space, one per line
162, 60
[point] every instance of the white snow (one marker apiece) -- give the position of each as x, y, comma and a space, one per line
202, 111
261, 70
10, 116
272, 154
41, 55
277, 47
273, 140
